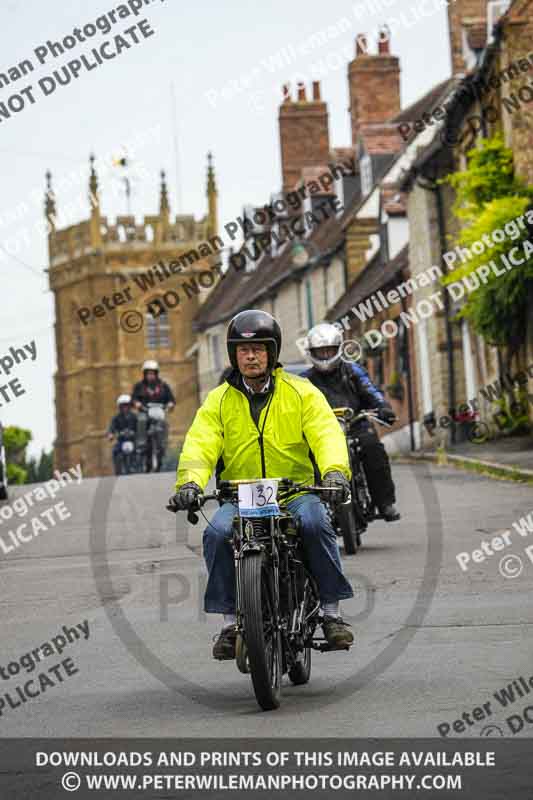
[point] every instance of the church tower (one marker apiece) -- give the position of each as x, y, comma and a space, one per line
123, 293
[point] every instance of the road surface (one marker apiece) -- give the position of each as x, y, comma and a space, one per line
433, 642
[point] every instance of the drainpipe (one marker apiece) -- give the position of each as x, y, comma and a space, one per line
410, 402
449, 330
432, 186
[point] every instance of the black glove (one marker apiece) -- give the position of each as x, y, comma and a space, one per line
387, 414
338, 481
185, 498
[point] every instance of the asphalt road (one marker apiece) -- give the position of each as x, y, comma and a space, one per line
432, 641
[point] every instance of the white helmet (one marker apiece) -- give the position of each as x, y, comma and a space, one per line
324, 335
123, 399
150, 364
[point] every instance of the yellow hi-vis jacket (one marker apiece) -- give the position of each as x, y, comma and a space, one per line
296, 419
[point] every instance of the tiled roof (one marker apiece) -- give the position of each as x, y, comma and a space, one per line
426, 103
373, 277
239, 290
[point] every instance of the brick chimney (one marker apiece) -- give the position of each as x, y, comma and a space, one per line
467, 24
374, 86
303, 133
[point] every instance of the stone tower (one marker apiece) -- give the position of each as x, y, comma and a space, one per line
123, 293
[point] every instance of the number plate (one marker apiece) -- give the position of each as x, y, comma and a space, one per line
258, 499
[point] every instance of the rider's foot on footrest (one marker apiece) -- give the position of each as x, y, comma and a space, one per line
337, 634
224, 647
390, 513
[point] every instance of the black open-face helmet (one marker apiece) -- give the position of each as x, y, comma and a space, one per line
254, 326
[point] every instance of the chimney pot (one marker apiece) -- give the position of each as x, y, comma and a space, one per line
361, 44
316, 90
286, 92
301, 91
384, 40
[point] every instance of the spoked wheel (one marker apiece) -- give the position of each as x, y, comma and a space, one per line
348, 526
263, 642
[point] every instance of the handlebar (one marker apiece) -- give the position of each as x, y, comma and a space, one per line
349, 416
229, 488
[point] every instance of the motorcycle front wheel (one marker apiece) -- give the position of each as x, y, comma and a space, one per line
263, 640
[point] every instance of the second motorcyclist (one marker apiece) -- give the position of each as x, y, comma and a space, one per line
152, 390
346, 383
122, 428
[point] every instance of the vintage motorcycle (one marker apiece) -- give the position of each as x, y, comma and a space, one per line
277, 599
152, 434
351, 519
124, 459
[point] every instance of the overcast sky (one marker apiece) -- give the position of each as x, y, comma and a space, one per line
207, 50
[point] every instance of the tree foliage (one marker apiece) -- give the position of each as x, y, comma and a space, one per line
22, 470
489, 197
15, 441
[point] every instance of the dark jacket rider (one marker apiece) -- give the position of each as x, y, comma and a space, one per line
346, 383
152, 389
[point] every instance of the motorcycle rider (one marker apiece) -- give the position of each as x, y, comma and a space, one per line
346, 383
123, 427
152, 390
263, 421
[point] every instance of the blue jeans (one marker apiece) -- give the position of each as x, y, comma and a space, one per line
319, 544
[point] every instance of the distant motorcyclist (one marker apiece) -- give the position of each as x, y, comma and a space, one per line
152, 390
122, 428
346, 383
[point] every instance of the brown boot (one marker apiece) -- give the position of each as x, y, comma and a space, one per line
337, 634
224, 647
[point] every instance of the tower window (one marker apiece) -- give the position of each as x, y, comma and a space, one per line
157, 331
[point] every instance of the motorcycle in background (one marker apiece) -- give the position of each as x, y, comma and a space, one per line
152, 435
351, 519
124, 457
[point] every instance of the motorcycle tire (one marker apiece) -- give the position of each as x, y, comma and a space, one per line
262, 642
348, 527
